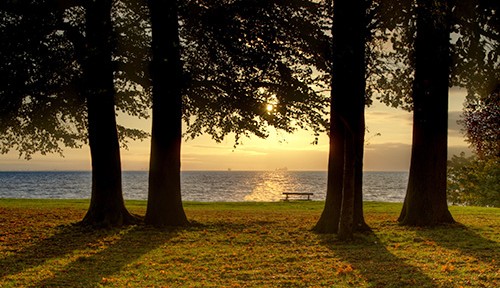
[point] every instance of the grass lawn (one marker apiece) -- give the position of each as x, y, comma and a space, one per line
244, 244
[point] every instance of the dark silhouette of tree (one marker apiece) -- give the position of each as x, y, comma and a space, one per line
107, 207
236, 59
347, 118
164, 194
425, 202
57, 61
474, 64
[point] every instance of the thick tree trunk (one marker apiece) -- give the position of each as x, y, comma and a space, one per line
425, 202
107, 207
344, 194
359, 144
329, 220
164, 195
345, 231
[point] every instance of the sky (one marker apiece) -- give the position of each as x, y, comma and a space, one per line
390, 151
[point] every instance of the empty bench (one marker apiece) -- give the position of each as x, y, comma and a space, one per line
297, 195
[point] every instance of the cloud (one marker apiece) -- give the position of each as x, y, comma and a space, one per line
387, 157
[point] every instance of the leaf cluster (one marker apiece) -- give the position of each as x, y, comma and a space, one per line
474, 181
474, 51
251, 64
481, 121
42, 101
40, 106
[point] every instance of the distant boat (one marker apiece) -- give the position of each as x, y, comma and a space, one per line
282, 169
229, 169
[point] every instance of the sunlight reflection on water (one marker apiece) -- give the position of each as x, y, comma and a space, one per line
271, 186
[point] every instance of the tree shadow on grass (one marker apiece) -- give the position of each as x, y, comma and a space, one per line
464, 239
379, 267
67, 239
90, 270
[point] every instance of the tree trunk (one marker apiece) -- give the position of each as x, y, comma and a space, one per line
425, 202
359, 144
345, 231
164, 194
329, 220
344, 190
107, 207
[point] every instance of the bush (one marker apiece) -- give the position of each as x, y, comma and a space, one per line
473, 181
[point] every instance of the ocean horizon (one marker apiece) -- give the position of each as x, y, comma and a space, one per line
203, 186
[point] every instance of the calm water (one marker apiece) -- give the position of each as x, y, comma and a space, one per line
206, 186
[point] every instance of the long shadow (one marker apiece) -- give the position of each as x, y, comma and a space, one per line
375, 263
462, 238
88, 271
67, 239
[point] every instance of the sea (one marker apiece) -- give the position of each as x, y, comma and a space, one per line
203, 186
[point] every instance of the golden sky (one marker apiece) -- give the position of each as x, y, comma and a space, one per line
388, 152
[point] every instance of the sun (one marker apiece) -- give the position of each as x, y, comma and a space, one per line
269, 107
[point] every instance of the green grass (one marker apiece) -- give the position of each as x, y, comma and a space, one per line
244, 244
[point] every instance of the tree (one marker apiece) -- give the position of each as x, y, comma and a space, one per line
425, 202
57, 62
164, 194
236, 59
474, 51
107, 207
347, 117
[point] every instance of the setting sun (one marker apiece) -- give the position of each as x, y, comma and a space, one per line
269, 107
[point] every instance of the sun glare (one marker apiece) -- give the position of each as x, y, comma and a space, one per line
269, 107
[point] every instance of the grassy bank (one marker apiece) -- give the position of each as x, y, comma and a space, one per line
244, 244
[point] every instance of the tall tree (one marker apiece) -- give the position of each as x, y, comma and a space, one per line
347, 117
107, 207
164, 193
54, 69
425, 202
474, 50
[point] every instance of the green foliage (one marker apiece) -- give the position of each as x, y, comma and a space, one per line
473, 181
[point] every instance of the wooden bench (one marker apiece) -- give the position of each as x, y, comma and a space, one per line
299, 194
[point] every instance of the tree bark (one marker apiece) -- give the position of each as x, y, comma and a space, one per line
343, 205
107, 206
345, 231
164, 195
425, 202
359, 223
329, 220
